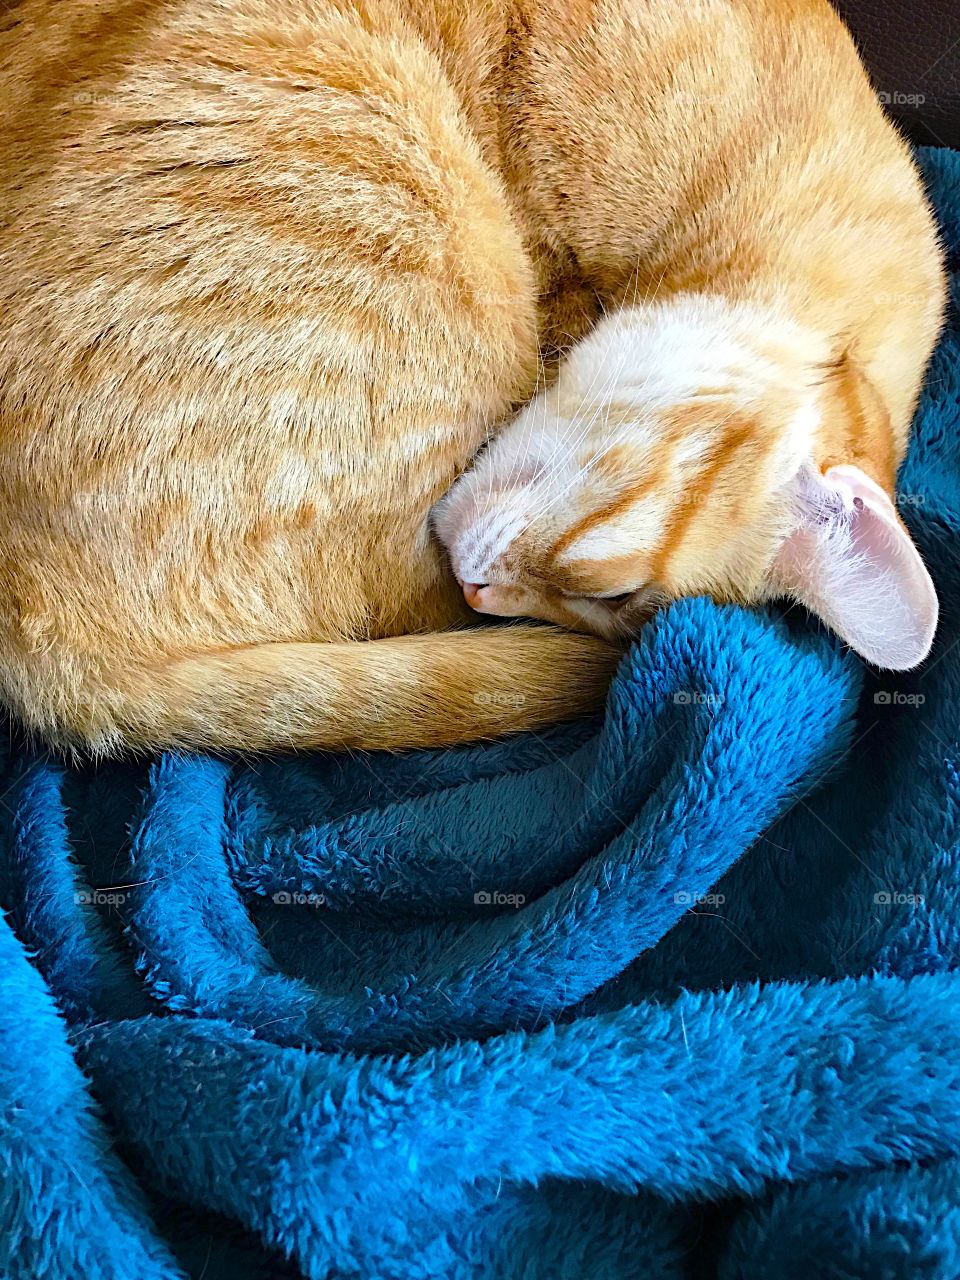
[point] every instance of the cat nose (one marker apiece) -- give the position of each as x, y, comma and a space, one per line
471, 593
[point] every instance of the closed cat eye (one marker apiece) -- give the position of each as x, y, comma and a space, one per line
638, 604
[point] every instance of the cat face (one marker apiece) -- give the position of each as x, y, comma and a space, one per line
674, 456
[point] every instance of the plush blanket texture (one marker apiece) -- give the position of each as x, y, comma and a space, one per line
672, 995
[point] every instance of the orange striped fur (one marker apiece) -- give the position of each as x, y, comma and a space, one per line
770, 290
271, 274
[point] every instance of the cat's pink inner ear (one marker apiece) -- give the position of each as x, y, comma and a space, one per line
851, 561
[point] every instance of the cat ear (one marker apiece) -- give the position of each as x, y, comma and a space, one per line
851, 561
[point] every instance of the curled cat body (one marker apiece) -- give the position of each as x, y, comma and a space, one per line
272, 273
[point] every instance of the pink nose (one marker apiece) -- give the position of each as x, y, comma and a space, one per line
472, 593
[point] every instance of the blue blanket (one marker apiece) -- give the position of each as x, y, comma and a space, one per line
676, 994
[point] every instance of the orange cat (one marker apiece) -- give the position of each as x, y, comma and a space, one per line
271, 273
734, 424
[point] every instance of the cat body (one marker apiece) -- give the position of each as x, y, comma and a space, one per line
270, 274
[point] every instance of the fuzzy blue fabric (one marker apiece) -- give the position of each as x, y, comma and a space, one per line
676, 994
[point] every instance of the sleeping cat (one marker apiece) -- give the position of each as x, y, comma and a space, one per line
271, 273
734, 423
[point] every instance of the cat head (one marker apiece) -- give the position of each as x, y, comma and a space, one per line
694, 448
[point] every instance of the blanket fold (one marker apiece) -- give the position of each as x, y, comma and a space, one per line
672, 994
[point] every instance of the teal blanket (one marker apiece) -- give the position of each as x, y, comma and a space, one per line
674, 994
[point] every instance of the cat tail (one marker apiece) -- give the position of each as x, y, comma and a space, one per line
412, 691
